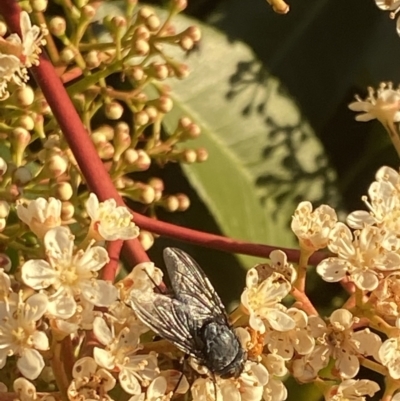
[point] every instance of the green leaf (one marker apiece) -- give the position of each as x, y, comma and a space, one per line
263, 156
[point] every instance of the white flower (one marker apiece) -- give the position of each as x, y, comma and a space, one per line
387, 4
362, 257
261, 301
109, 221
247, 387
339, 341
285, 343
69, 274
384, 105
40, 215
89, 381
279, 264
275, 390
16, 55
25, 389
143, 277
121, 353
312, 228
384, 204
19, 335
352, 390
389, 355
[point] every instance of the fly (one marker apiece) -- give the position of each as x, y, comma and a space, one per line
194, 318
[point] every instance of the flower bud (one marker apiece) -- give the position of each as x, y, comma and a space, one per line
141, 47
164, 104
88, 12
64, 191
202, 154
21, 176
153, 22
157, 184
184, 202
188, 156
3, 166
67, 55
26, 122
19, 140
144, 161
194, 32
3, 28
92, 59
24, 96
141, 32
146, 239
158, 70
152, 113
104, 131
119, 21
171, 203
186, 43
141, 118
56, 165
146, 195
105, 151
182, 71
137, 73
5, 261
131, 156
114, 110
57, 26
122, 139
4, 209
39, 5
178, 5
67, 211
43, 107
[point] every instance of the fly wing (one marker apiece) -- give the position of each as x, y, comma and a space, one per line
191, 285
169, 318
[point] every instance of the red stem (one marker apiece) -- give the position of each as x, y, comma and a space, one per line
75, 133
110, 270
218, 242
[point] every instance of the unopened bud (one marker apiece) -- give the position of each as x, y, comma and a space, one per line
144, 161
157, 184
119, 21
186, 43
182, 71
152, 113
153, 22
141, 32
21, 137
171, 203
122, 139
39, 5
159, 71
5, 261
24, 96
188, 156
137, 73
178, 5
88, 12
43, 107
21, 176
130, 156
56, 165
114, 110
105, 151
57, 26
141, 47
184, 202
141, 118
202, 155
4, 209
164, 104
3, 28
146, 239
194, 32
26, 122
67, 211
146, 195
106, 131
64, 191
92, 59
67, 55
